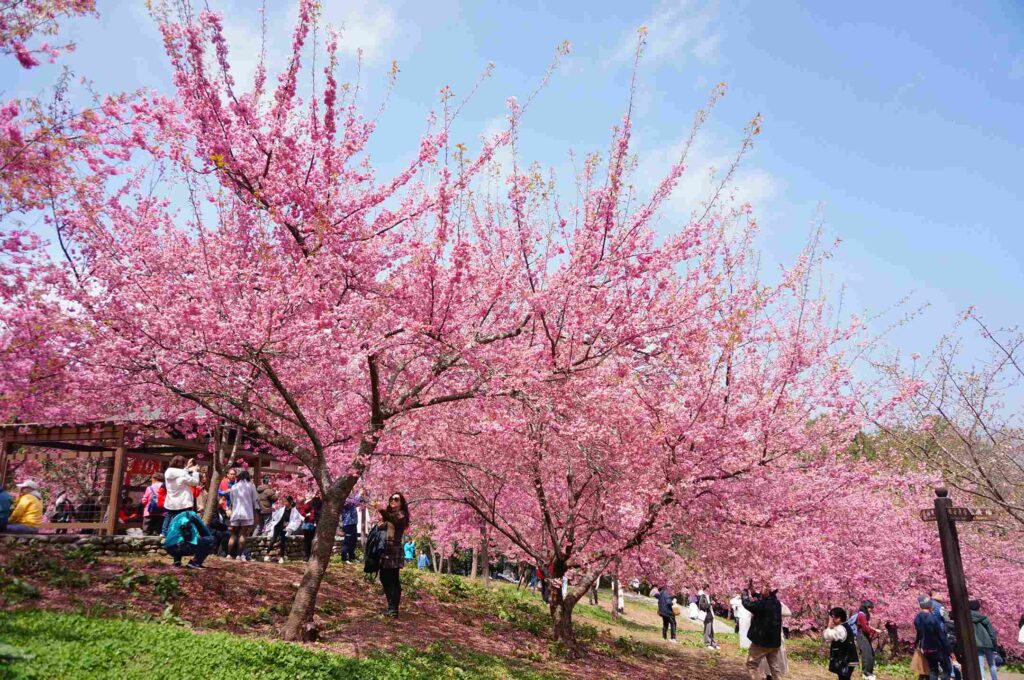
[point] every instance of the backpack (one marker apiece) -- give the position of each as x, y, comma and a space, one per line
156, 501
374, 549
851, 623
704, 603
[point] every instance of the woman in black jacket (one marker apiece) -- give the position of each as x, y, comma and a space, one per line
395, 520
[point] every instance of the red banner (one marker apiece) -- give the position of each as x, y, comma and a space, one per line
142, 466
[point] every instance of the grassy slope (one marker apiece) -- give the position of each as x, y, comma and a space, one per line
77, 647
109, 625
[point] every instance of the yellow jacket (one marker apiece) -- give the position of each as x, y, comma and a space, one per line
28, 511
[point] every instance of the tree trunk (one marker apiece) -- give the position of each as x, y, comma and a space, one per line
561, 617
472, 568
615, 597
211, 495
485, 558
323, 545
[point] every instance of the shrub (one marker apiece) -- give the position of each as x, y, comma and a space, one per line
167, 587
129, 579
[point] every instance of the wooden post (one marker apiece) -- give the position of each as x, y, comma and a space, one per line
116, 479
957, 584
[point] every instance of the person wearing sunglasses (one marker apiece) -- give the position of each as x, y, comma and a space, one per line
394, 520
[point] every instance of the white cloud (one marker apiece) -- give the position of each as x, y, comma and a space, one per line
1017, 68
677, 29
708, 161
369, 26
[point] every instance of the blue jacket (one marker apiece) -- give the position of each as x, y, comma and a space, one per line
186, 527
665, 602
349, 511
931, 638
5, 508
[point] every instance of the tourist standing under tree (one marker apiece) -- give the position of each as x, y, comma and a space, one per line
244, 508
349, 526
842, 652
985, 639
765, 631
668, 617
930, 638
742, 617
179, 478
153, 506
704, 604
865, 636
310, 518
394, 520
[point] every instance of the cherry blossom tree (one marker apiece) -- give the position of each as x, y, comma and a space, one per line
22, 20
295, 296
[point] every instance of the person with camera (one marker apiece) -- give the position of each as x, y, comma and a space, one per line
842, 652
179, 479
765, 630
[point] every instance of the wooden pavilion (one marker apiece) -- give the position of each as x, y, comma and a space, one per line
122, 448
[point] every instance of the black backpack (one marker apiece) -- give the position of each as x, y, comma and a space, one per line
374, 550
842, 654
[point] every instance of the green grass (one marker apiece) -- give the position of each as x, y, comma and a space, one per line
74, 647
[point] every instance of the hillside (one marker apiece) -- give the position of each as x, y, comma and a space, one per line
86, 617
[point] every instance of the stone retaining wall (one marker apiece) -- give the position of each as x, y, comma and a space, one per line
142, 545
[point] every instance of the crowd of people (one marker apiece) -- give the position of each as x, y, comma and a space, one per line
759, 619
173, 503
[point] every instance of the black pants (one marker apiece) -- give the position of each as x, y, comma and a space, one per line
348, 548
154, 523
668, 622
278, 536
307, 542
867, 654
392, 588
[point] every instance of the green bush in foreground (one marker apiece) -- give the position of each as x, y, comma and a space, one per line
74, 647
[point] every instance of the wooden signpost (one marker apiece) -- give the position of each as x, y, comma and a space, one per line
947, 516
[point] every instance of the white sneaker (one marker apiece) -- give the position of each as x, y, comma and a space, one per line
267, 558
674, 641
280, 560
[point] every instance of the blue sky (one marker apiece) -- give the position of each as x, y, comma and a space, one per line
899, 123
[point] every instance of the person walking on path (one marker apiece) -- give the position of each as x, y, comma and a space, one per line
742, 617
187, 535
394, 519
842, 651
865, 636
985, 639
244, 507
668, 618
765, 631
930, 638
27, 514
179, 479
704, 604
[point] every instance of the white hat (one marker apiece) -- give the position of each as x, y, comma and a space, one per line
28, 484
